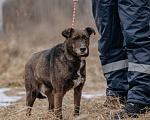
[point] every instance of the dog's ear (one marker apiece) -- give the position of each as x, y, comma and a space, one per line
90, 30
67, 32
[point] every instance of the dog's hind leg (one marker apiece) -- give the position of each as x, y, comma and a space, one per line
30, 98
31, 89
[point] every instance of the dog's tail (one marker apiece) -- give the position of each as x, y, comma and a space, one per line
40, 96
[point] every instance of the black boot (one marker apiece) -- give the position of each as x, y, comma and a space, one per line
130, 110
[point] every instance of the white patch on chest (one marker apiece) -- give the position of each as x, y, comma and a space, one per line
80, 78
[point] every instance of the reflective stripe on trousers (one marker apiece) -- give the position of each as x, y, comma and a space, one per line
124, 64
115, 66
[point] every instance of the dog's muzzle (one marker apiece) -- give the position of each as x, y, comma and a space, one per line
82, 51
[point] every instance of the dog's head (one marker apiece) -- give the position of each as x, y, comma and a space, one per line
77, 40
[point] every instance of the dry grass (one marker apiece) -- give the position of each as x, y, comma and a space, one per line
91, 109
16, 48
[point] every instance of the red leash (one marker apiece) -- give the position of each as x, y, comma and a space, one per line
74, 12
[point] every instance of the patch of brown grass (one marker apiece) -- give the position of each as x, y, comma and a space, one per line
91, 109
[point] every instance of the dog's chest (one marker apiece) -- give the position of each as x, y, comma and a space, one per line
79, 78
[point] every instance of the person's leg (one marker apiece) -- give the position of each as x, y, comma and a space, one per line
135, 18
110, 45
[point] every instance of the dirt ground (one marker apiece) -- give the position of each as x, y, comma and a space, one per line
16, 49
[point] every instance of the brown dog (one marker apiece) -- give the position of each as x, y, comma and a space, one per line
57, 70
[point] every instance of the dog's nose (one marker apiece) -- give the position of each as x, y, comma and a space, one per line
82, 49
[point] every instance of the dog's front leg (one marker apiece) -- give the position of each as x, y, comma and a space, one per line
77, 98
58, 96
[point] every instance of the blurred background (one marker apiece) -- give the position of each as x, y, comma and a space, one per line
26, 14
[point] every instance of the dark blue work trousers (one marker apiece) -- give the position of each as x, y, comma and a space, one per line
124, 26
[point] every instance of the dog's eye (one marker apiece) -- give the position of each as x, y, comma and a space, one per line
85, 38
75, 38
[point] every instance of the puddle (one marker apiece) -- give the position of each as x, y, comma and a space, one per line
22, 93
88, 96
7, 100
